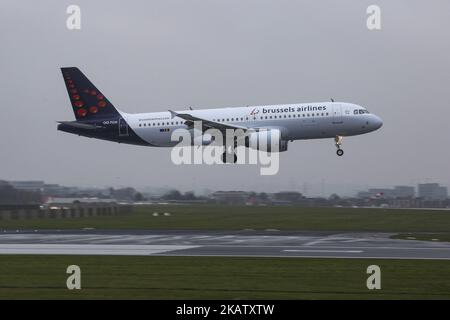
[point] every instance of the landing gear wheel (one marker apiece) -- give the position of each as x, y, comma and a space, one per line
338, 142
224, 157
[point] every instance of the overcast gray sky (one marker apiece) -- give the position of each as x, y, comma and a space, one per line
153, 55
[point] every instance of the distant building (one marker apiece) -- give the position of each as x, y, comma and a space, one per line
432, 191
382, 193
363, 195
404, 192
12, 196
4, 184
124, 194
387, 193
289, 196
230, 197
56, 190
408, 202
28, 185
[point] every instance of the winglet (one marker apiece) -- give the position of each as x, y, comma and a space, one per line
173, 114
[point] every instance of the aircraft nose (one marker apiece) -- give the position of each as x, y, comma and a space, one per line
377, 122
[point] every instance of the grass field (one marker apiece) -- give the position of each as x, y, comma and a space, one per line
106, 277
121, 277
212, 217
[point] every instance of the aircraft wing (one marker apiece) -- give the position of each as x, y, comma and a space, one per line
207, 124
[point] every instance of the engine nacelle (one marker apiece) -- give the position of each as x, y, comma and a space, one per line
267, 140
200, 139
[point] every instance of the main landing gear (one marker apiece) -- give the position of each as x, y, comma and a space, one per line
229, 157
338, 142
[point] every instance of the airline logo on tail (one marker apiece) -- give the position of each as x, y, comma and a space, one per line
87, 101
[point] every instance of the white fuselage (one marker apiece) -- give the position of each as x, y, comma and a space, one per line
295, 121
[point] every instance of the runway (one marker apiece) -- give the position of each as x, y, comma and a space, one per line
244, 243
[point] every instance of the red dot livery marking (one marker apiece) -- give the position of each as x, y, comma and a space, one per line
81, 112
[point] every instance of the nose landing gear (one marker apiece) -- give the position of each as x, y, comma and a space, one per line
338, 143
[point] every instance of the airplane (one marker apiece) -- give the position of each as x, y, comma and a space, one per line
96, 117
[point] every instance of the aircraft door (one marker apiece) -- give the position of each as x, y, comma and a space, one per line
123, 128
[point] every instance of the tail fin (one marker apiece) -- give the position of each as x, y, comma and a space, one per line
88, 102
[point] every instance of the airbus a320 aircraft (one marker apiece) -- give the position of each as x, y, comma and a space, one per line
96, 117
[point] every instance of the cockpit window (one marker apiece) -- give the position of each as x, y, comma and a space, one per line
360, 111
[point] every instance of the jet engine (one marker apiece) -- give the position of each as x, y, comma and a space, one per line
201, 139
267, 140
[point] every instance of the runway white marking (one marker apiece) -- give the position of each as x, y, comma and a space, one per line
327, 239
325, 251
90, 249
355, 240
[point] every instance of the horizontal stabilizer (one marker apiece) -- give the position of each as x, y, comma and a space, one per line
80, 125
